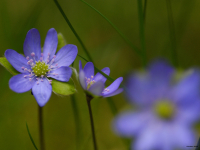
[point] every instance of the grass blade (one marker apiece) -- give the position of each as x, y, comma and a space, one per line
31, 137
172, 33
137, 50
142, 36
73, 30
77, 121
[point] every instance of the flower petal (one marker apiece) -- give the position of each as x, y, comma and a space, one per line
183, 136
82, 79
99, 76
16, 60
113, 87
149, 138
118, 91
50, 44
61, 74
89, 70
188, 88
129, 124
32, 44
66, 55
80, 65
20, 84
42, 92
160, 74
140, 89
96, 88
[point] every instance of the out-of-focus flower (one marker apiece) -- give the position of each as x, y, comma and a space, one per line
95, 84
165, 109
37, 67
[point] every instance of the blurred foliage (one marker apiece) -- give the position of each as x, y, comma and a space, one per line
107, 49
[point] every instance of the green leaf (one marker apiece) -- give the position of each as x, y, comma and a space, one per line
4, 62
61, 41
31, 137
63, 88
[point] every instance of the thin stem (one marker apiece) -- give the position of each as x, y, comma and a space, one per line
145, 8
73, 30
142, 37
172, 33
137, 50
77, 121
41, 128
89, 98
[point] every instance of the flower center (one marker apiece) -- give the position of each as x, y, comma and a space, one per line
40, 68
89, 81
164, 109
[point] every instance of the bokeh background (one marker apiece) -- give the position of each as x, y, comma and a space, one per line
107, 49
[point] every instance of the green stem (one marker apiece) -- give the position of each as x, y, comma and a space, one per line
145, 8
73, 30
77, 121
142, 36
137, 50
89, 98
41, 132
172, 33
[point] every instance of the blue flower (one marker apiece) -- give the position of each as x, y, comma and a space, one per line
166, 108
95, 84
37, 67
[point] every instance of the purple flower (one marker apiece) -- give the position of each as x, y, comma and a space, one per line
95, 84
166, 108
37, 67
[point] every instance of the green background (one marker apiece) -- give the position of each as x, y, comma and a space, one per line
107, 49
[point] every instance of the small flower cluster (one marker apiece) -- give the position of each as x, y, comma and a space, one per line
38, 68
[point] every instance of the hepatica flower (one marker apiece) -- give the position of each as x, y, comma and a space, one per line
37, 67
165, 109
95, 84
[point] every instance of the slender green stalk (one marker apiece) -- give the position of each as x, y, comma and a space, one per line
73, 30
89, 98
172, 33
77, 121
41, 131
112, 106
137, 50
145, 9
31, 137
142, 36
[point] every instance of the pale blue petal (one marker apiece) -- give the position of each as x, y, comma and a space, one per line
96, 88
113, 87
61, 74
17, 60
21, 84
89, 70
82, 79
50, 44
66, 55
100, 77
80, 65
118, 91
42, 92
32, 44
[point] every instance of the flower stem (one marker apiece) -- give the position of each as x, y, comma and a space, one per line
41, 128
89, 98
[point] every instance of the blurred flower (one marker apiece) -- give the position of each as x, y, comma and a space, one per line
36, 67
95, 84
165, 109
